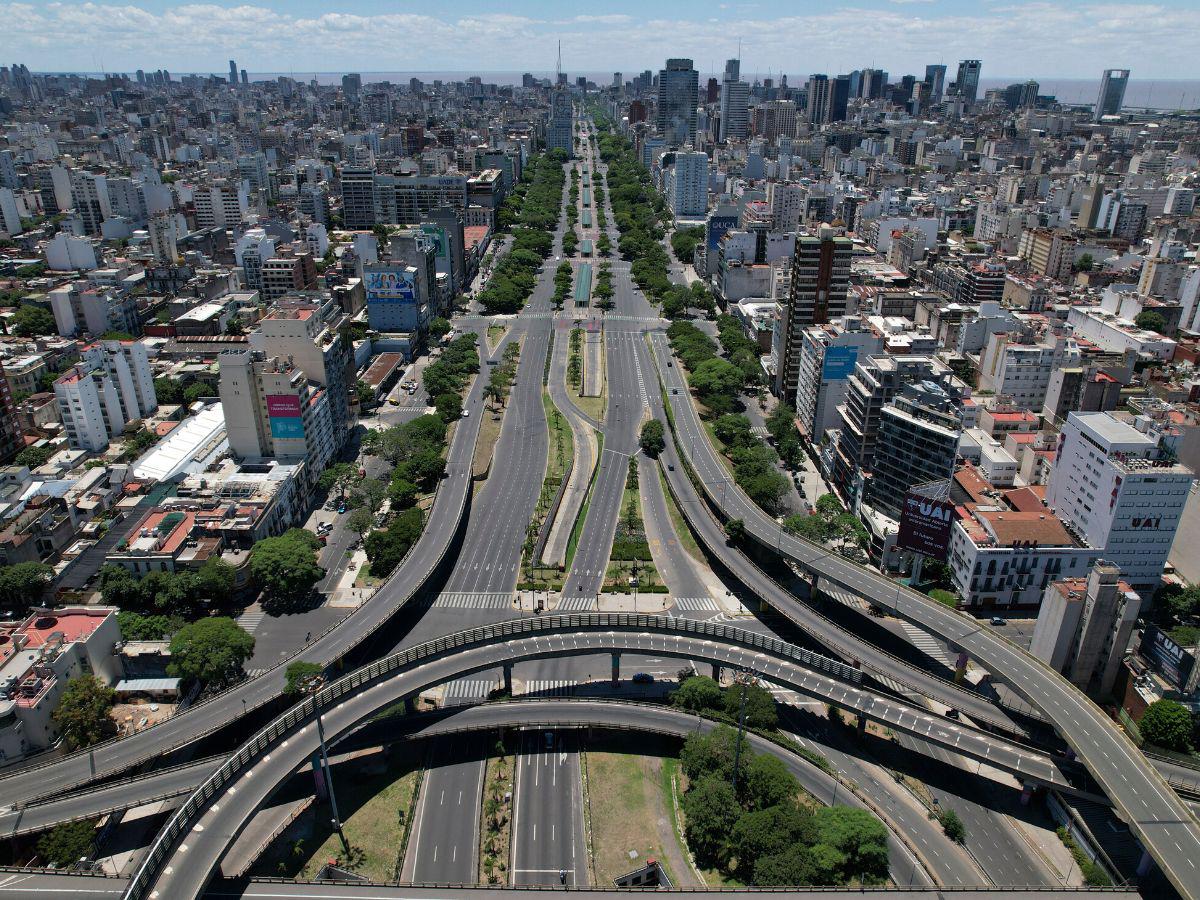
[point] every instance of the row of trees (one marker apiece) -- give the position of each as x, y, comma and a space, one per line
501, 380
563, 282
603, 288
717, 382
760, 833
684, 242
184, 594
754, 462
832, 526
450, 373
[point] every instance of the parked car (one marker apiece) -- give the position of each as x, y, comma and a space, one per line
643, 678
999, 620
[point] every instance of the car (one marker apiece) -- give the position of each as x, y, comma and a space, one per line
466, 414
549, 740
643, 678
675, 391
952, 713
395, 401
670, 365
999, 620
341, 508
670, 467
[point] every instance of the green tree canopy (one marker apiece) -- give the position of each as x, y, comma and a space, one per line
698, 693
82, 715
210, 651
652, 438
33, 321
711, 810
284, 568
386, 547
67, 843
1168, 724
34, 456
24, 584
767, 783
760, 706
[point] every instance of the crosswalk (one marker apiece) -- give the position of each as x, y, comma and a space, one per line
473, 600
924, 642
550, 687
696, 604
254, 673
844, 597
251, 618
467, 690
577, 604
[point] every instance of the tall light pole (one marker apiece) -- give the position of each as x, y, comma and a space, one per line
313, 687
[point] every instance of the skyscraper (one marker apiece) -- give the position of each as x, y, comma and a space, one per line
352, 85
827, 99
678, 94
935, 82
735, 102
966, 85
1112, 92
233, 73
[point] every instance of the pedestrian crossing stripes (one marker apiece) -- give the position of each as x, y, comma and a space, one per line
254, 673
924, 642
549, 687
577, 604
760, 431
467, 690
250, 619
473, 600
696, 604
843, 597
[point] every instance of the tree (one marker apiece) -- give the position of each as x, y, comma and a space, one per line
66, 844
439, 327
1085, 263
760, 706
717, 382
403, 493
284, 568
210, 651
364, 393
768, 782
734, 430
298, 673
360, 520
33, 321
652, 438
1151, 321
735, 530
448, 406
1167, 724
213, 581
196, 392
24, 584
953, 826
787, 868
712, 810
712, 754
82, 716
136, 627
1181, 602
764, 832
859, 837
386, 547
34, 456
697, 693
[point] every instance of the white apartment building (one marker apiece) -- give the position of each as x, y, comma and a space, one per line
1114, 486
1111, 332
253, 249
1019, 367
89, 193
79, 308
828, 355
221, 205
10, 213
65, 253
687, 190
110, 387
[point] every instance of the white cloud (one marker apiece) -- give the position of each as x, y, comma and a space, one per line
1036, 38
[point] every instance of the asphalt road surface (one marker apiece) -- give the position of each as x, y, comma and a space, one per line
548, 845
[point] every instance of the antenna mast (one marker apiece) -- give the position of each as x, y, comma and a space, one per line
558, 65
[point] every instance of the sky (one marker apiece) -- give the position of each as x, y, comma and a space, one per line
1011, 37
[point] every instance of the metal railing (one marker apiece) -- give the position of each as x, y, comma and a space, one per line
148, 872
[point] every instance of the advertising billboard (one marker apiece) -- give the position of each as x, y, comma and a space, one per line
717, 226
925, 525
1167, 658
395, 283
283, 410
839, 363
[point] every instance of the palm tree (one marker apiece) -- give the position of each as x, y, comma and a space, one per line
492, 393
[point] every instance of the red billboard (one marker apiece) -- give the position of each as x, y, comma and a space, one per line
283, 406
925, 525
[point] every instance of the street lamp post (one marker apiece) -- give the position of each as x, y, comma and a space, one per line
313, 687
745, 679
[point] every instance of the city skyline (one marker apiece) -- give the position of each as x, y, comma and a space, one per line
1047, 40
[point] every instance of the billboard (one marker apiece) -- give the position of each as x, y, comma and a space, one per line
390, 283
925, 525
283, 410
839, 363
1166, 657
441, 241
717, 226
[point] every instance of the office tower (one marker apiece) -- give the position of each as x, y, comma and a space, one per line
966, 85
233, 73
1120, 491
687, 191
775, 119
827, 99
935, 82
110, 387
735, 103
352, 85
820, 281
1084, 626
617, 80
559, 124
245, 77
678, 95
1112, 92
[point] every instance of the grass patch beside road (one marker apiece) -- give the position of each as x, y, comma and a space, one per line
630, 555
625, 810
377, 806
495, 334
495, 826
485, 444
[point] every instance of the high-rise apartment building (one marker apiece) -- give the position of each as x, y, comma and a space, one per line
222, 204
12, 441
827, 99
253, 249
827, 359
1084, 626
820, 281
272, 411
283, 275
358, 198
1120, 491
80, 308
735, 101
917, 443
352, 85
89, 193
110, 387
559, 124
678, 95
687, 190
1112, 92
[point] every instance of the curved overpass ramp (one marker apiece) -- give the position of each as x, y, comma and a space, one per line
188, 849
1161, 821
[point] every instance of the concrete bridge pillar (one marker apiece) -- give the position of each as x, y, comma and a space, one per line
616, 669
1145, 864
716, 672
508, 678
320, 787
862, 725
1026, 793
